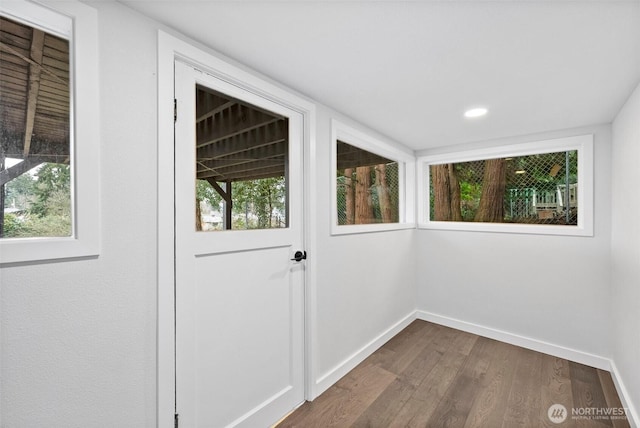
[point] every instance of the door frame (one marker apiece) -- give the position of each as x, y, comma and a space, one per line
171, 48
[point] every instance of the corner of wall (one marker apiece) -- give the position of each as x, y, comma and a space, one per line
625, 254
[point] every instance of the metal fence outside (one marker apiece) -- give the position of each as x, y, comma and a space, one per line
532, 189
382, 190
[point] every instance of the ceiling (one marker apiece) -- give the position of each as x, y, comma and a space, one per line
410, 69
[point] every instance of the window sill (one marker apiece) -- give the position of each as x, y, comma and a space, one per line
508, 228
34, 250
353, 229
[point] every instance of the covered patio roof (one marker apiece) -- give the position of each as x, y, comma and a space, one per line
34, 98
237, 141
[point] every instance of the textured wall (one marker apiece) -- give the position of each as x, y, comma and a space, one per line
625, 247
78, 337
550, 288
365, 282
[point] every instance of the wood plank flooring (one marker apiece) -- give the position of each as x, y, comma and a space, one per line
434, 376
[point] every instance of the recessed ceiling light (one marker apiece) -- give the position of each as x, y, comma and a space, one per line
475, 112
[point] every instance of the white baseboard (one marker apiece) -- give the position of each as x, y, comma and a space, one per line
544, 347
632, 412
515, 339
332, 376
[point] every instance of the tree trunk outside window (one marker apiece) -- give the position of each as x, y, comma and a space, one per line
383, 193
364, 209
446, 191
491, 208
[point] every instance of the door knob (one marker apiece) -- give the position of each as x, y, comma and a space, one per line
299, 256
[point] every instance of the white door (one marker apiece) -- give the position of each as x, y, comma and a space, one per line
239, 296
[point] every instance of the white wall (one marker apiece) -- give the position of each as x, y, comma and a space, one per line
553, 289
625, 247
78, 337
365, 282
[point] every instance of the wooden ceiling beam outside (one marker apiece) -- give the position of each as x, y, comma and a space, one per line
242, 175
351, 157
228, 199
236, 141
258, 175
228, 163
37, 49
6, 175
34, 83
359, 161
262, 152
270, 134
215, 110
234, 121
13, 52
11, 147
249, 166
207, 100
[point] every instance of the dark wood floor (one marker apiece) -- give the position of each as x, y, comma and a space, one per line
434, 376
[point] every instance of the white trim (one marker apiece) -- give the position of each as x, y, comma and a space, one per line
34, 14
78, 20
333, 375
582, 143
171, 48
623, 392
581, 357
165, 357
310, 242
559, 351
406, 168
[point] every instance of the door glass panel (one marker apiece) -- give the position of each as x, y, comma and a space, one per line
241, 160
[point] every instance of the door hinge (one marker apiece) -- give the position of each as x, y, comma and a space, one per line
175, 110
175, 420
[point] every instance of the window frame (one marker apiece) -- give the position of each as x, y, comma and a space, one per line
583, 144
77, 23
406, 179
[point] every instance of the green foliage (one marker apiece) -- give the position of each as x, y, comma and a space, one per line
20, 192
205, 192
44, 201
52, 178
264, 199
34, 226
257, 204
469, 199
12, 226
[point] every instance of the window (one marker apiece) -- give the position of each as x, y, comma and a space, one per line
370, 191
48, 118
367, 187
543, 187
242, 159
35, 157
